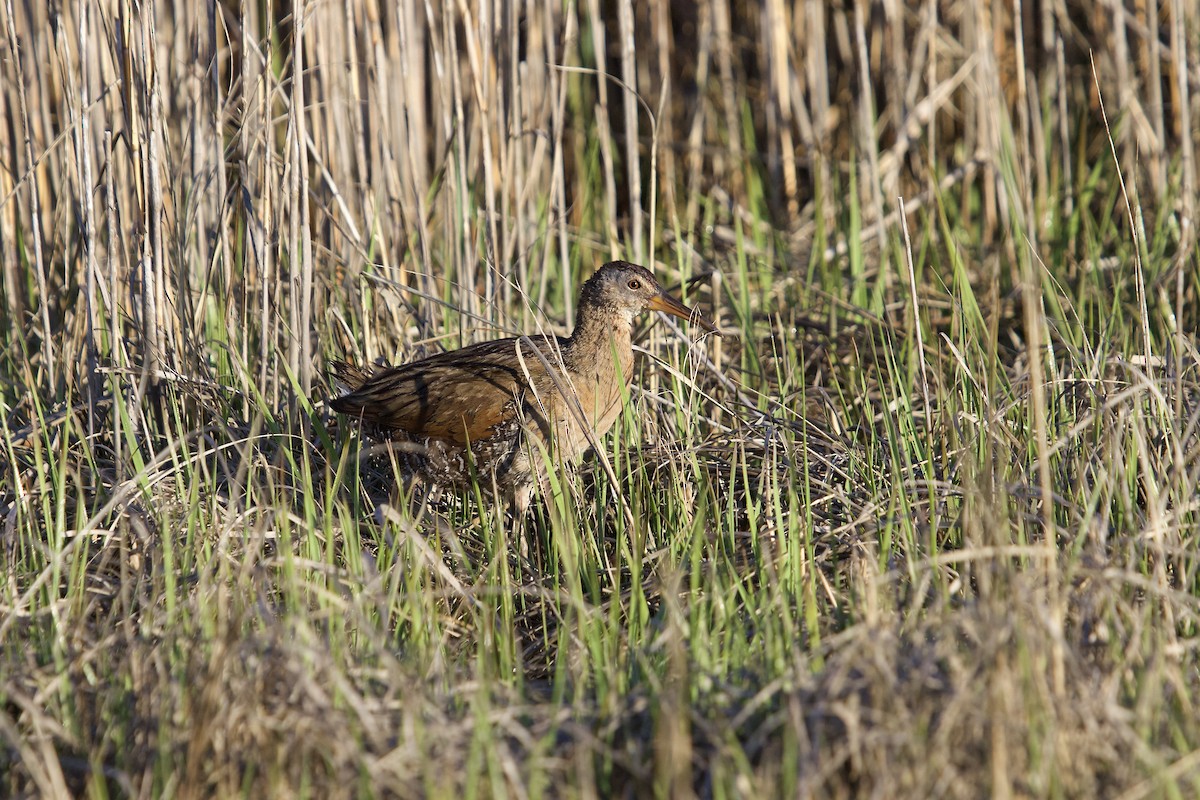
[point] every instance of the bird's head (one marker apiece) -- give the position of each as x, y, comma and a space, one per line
626, 290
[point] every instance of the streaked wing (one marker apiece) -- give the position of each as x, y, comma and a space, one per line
460, 396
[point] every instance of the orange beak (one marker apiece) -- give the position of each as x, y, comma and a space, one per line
669, 305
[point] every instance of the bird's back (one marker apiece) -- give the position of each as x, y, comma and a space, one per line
459, 397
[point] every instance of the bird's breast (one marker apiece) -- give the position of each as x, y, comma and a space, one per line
600, 394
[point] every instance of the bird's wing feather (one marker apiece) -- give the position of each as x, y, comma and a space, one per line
460, 396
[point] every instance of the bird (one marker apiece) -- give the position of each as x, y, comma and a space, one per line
499, 410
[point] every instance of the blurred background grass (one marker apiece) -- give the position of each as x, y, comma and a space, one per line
924, 524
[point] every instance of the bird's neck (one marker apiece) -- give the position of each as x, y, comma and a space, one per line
596, 338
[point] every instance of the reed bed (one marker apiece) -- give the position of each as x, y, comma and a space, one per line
924, 522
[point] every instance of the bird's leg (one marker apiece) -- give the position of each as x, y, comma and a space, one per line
518, 505
526, 522
522, 497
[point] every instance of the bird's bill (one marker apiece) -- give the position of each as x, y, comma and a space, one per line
669, 305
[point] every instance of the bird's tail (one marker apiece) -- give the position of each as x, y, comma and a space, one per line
347, 377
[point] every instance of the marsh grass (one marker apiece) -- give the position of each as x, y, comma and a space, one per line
923, 524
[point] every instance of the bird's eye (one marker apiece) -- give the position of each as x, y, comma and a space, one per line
635, 284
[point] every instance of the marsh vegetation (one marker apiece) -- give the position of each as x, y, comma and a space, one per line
924, 523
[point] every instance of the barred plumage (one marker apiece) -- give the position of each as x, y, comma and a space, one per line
492, 409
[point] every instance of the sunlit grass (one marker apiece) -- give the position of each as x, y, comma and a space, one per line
813, 557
